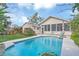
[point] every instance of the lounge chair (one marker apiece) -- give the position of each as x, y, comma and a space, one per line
61, 35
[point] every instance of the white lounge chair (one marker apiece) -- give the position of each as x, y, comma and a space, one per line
61, 35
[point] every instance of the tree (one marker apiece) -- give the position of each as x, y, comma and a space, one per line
35, 19
3, 18
75, 25
75, 7
75, 22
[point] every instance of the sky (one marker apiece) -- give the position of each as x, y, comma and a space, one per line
19, 12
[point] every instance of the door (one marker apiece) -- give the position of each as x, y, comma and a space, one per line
42, 31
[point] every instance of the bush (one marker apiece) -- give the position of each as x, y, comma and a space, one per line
75, 37
29, 32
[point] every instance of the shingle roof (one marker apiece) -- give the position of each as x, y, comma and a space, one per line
47, 19
54, 18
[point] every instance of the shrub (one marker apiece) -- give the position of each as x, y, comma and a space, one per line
29, 32
75, 37
75, 29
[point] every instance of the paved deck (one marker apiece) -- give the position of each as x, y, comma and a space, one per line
69, 48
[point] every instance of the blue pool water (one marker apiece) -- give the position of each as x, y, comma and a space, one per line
35, 47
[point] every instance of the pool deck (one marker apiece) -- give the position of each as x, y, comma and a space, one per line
69, 48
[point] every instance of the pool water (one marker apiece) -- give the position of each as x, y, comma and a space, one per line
36, 47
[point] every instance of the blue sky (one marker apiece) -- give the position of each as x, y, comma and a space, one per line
20, 11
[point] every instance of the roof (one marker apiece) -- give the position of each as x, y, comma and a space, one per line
28, 23
46, 20
52, 17
24, 24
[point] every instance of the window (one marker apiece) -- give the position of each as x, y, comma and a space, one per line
48, 27
45, 27
42, 27
59, 27
66, 27
53, 27
38, 28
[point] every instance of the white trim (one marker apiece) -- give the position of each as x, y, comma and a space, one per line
63, 26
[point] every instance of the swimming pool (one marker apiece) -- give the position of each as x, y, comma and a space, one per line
36, 47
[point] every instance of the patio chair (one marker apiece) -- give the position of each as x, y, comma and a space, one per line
61, 35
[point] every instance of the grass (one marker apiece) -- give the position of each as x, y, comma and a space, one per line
11, 37
29, 32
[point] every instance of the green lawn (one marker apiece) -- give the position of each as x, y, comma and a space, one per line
11, 37
28, 33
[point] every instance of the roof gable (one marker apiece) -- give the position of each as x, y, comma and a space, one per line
53, 18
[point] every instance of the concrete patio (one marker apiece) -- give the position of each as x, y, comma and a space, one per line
69, 48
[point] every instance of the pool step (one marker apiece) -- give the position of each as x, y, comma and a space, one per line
4, 46
2, 49
8, 44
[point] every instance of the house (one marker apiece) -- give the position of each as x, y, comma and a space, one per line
54, 25
51, 25
34, 27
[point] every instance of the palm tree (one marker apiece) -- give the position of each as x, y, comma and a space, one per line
75, 21
35, 19
75, 24
75, 7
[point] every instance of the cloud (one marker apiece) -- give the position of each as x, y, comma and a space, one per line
17, 19
13, 17
44, 5
27, 5
10, 14
20, 18
24, 19
38, 4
